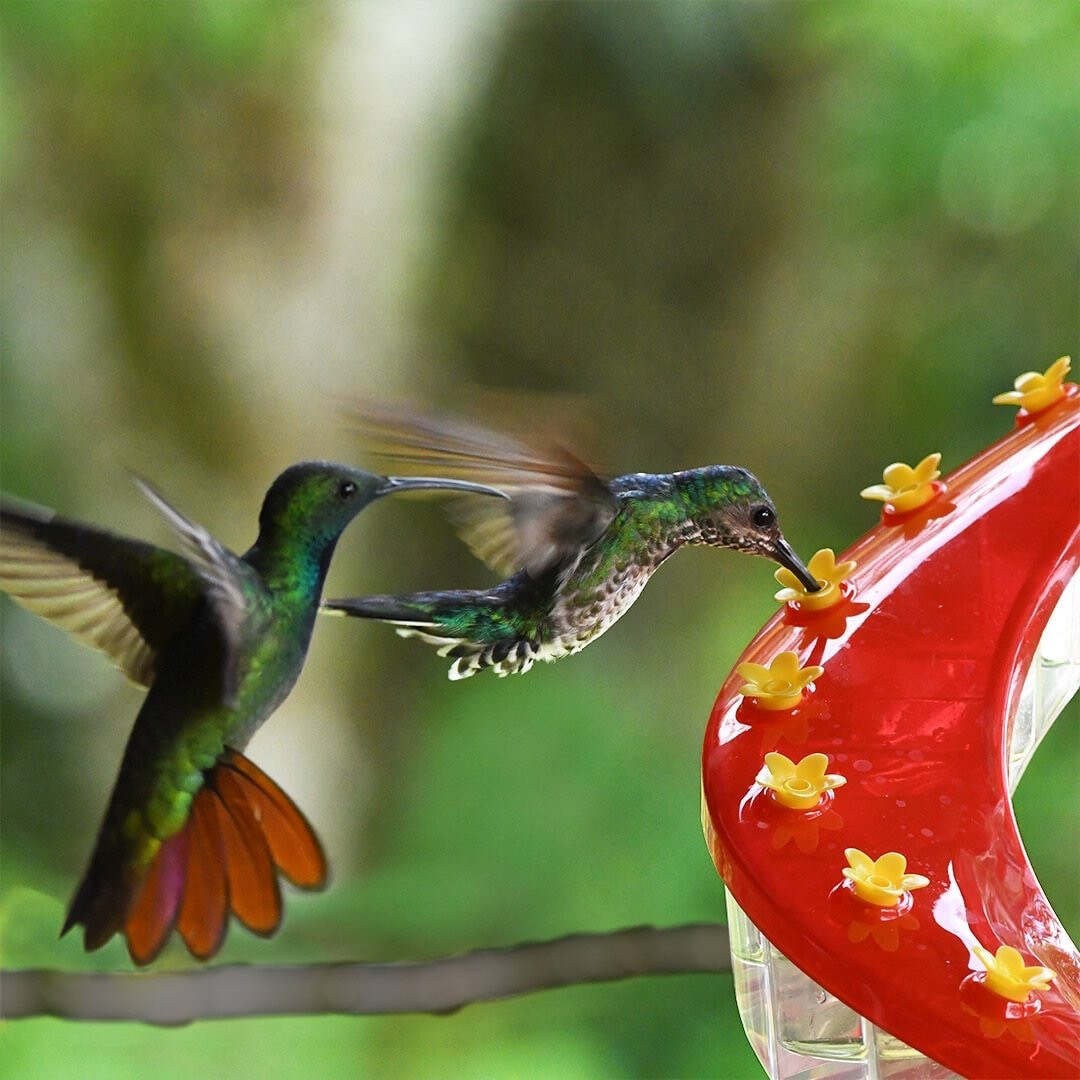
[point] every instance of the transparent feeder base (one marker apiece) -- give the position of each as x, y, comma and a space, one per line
798, 1030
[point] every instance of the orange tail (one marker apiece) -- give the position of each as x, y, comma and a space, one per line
242, 829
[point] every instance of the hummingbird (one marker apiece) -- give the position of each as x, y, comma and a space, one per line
194, 828
576, 549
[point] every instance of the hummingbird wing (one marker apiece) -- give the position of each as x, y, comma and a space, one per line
124, 597
228, 584
557, 505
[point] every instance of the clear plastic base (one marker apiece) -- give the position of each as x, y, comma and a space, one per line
798, 1030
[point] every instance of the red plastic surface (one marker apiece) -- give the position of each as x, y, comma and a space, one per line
924, 663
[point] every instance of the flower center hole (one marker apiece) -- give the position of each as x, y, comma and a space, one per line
779, 686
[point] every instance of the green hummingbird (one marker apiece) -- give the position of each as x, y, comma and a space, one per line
193, 828
578, 548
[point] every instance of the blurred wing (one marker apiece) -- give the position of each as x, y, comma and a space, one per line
537, 529
557, 507
227, 582
121, 596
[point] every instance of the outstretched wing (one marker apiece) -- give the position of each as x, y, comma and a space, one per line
228, 583
557, 505
122, 596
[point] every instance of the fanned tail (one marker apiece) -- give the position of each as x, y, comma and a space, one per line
242, 831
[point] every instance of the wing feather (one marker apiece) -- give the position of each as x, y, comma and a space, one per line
227, 582
121, 596
557, 505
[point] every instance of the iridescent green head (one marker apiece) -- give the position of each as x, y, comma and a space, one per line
730, 508
315, 500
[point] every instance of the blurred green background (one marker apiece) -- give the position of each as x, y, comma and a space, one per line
807, 238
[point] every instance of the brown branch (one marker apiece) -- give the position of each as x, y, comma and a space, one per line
438, 986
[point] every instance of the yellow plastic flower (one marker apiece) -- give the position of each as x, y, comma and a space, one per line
829, 574
1007, 976
881, 882
1034, 391
778, 686
906, 488
798, 786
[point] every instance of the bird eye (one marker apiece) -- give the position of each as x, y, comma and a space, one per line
346, 489
763, 517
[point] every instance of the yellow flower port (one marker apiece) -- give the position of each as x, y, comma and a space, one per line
829, 574
906, 488
798, 786
1035, 391
881, 881
1008, 977
778, 686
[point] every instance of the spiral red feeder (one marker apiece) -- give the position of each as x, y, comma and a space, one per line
885, 919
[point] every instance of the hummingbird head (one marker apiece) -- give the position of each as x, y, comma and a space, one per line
315, 500
733, 510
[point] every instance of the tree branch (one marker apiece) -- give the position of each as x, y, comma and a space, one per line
438, 986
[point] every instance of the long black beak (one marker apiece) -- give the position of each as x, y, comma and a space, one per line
785, 555
392, 484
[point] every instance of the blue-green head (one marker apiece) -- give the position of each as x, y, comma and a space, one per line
728, 507
309, 505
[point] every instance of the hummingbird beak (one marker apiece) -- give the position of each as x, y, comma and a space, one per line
785, 555
392, 484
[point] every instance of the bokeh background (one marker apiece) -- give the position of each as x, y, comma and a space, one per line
808, 238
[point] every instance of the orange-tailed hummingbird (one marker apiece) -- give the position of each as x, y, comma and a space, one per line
193, 828
578, 549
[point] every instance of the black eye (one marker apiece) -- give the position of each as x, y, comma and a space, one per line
346, 489
763, 517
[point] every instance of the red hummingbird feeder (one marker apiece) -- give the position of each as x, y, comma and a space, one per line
885, 919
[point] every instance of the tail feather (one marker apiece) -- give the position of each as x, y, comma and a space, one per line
500, 628
253, 885
104, 896
204, 913
154, 913
294, 847
242, 830
422, 609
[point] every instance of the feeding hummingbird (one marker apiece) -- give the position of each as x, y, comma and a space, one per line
578, 548
193, 828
